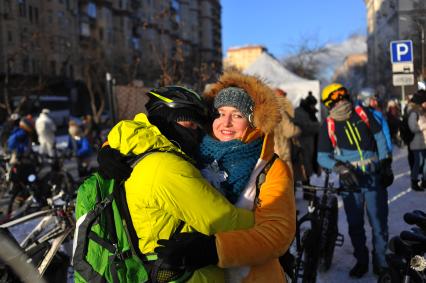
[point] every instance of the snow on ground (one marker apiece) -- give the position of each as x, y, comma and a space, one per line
401, 199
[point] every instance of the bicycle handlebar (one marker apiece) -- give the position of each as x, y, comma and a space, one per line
413, 237
331, 189
416, 217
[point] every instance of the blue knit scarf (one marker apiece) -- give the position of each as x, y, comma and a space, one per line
228, 165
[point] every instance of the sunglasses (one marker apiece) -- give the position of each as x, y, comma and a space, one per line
336, 95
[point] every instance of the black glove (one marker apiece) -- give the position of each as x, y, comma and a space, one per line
191, 250
386, 173
346, 171
113, 165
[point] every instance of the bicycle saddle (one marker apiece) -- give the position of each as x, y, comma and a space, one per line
417, 217
414, 239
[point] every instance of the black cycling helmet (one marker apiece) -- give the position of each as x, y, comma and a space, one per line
177, 103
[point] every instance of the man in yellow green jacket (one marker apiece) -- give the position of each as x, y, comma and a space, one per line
165, 187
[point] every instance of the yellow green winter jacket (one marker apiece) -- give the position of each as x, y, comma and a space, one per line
165, 188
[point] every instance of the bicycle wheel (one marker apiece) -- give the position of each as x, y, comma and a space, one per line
310, 256
329, 232
390, 276
15, 264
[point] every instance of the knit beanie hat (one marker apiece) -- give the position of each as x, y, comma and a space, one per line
419, 97
236, 97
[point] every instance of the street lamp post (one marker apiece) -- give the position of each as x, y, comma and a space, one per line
420, 26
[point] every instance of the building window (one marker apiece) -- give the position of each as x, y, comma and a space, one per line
49, 16
136, 43
9, 36
84, 29
53, 68
101, 34
110, 37
25, 64
91, 10
22, 6
61, 19
36, 15
7, 9
30, 13
71, 71
34, 66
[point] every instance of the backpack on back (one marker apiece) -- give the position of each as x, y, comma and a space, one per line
404, 130
105, 247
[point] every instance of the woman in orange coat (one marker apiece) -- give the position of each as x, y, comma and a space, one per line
238, 153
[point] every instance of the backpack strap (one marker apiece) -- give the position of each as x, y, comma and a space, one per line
331, 131
82, 233
260, 179
331, 127
361, 113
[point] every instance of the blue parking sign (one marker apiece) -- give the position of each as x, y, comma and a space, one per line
401, 51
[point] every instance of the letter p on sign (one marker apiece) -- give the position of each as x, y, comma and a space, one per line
401, 51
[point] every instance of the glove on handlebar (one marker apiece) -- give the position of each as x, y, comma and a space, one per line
192, 250
346, 171
112, 164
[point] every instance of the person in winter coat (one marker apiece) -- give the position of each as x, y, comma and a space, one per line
286, 130
417, 125
233, 156
165, 188
352, 144
11, 123
19, 141
393, 115
369, 101
79, 146
46, 129
309, 125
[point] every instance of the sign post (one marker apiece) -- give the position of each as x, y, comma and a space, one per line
402, 64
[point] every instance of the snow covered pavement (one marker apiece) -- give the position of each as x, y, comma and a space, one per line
401, 199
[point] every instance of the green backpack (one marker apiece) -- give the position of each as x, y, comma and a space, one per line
105, 247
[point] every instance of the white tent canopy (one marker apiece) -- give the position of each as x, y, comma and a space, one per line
275, 75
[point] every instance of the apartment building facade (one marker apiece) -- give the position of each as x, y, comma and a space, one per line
243, 56
389, 20
145, 39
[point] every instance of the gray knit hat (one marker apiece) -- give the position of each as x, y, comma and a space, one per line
236, 97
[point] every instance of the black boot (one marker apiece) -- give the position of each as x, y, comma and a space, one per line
359, 270
415, 185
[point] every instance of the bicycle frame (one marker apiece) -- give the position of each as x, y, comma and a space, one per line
316, 216
63, 226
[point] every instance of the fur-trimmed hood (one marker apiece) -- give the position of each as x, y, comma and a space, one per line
266, 113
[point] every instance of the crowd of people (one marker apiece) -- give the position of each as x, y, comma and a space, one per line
21, 134
208, 153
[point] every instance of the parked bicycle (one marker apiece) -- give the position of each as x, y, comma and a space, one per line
317, 232
53, 228
15, 266
406, 260
33, 183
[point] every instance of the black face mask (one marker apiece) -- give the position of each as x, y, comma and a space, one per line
186, 139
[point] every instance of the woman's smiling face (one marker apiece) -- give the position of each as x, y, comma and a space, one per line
230, 124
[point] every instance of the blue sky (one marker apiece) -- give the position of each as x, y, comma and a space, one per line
280, 25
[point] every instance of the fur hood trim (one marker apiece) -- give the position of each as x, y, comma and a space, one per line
266, 114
